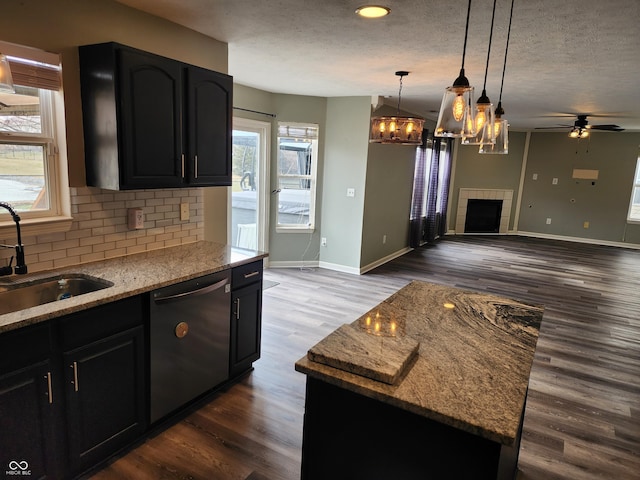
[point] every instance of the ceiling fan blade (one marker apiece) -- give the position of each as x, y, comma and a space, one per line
554, 128
611, 127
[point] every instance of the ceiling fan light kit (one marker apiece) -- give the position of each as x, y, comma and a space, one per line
456, 119
398, 129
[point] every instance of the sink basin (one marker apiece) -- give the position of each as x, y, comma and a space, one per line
31, 293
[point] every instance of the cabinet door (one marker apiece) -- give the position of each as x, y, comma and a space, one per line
27, 422
150, 114
105, 396
209, 112
246, 324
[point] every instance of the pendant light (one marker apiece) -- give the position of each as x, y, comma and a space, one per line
6, 80
483, 131
501, 128
456, 115
397, 129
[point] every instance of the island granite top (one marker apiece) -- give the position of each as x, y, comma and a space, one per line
473, 363
130, 275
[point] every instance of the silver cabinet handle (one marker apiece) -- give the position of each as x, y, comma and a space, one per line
75, 375
48, 377
252, 274
182, 168
237, 309
196, 166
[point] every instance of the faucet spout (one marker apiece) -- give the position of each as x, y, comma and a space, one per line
21, 266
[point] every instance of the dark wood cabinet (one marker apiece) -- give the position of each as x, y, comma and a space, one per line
153, 122
72, 391
105, 397
30, 405
246, 317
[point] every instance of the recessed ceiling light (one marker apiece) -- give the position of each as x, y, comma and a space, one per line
373, 11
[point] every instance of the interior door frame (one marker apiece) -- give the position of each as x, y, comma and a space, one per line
262, 210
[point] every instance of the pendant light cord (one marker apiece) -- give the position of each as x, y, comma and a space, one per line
400, 94
486, 70
506, 50
466, 32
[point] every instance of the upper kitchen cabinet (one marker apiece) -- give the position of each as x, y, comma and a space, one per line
153, 122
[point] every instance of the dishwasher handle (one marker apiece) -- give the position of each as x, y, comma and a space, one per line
191, 293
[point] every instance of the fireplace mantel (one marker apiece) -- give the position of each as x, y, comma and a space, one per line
484, 194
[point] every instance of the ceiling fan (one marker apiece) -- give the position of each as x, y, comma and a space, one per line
581, 127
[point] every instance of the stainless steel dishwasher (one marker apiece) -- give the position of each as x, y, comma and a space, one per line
189, 334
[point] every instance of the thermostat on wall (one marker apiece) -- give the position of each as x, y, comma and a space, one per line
135, 218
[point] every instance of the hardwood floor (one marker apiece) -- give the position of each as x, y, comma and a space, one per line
582, 418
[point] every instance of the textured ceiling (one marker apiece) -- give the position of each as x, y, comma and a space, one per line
565, 56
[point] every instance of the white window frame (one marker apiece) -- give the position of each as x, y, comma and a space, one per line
53, 138
312, 178
635, 190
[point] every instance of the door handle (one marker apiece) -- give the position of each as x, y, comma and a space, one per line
195, 161
237, 309
75, 376
50, 390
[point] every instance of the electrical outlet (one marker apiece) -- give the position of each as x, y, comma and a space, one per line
323, 241
184, 211
548, 221
554, 181
585, 224
351, 192
535, 176
135, 218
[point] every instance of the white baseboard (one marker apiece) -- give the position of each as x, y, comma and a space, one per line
591, 241
294, 264
384, 260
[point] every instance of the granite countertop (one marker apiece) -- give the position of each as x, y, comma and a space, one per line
130, 275
473, 364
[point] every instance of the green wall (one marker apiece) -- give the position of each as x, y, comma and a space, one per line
571, 202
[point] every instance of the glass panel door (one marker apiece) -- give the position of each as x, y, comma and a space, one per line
249, 192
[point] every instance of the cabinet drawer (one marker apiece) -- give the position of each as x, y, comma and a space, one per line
95, 323
24, 346
246, 275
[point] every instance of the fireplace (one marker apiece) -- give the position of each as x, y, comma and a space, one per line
483, 216
468, 194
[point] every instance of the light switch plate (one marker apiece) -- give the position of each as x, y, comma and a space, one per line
184, 211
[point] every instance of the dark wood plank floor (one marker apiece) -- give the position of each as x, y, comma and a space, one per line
583, 409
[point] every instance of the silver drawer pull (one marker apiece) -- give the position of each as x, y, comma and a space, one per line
75, 375
252, 274
48, 377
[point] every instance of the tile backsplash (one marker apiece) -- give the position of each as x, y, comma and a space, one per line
99, 229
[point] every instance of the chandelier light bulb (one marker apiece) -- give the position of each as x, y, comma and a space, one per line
382, 127
584, 133
392, 127
458, 107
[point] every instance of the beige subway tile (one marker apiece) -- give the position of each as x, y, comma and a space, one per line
39, 266
55, 254
91, 240
164, 223
126, 243
152, 217
91, 224
36, 248
155, 231
172, 243
163, 193
101, 247
164, 208
172, 228
115, 237
50, 237
135, 249
135, 203
190, 239
155, 245
69, 243
103, 230
117, 252
144, 194
101, 214
154, 202
180, 234
148, 239
172, 201
82, 250
92, 257
66, 261
164, 236
89, 207
81, 199
82, 233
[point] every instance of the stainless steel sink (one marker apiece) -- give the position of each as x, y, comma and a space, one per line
31, 293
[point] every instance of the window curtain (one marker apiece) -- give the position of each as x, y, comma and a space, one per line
430, 191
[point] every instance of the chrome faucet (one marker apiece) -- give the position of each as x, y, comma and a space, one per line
21, 267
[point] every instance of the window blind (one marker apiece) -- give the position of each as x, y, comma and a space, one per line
29, 73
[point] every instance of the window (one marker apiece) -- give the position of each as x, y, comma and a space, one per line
297, 162
634, 205
31, 179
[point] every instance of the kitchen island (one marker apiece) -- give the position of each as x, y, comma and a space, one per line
452, 407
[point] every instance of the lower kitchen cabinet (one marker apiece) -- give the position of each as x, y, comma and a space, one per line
27, 422
246, 317
105, 396
72, 391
